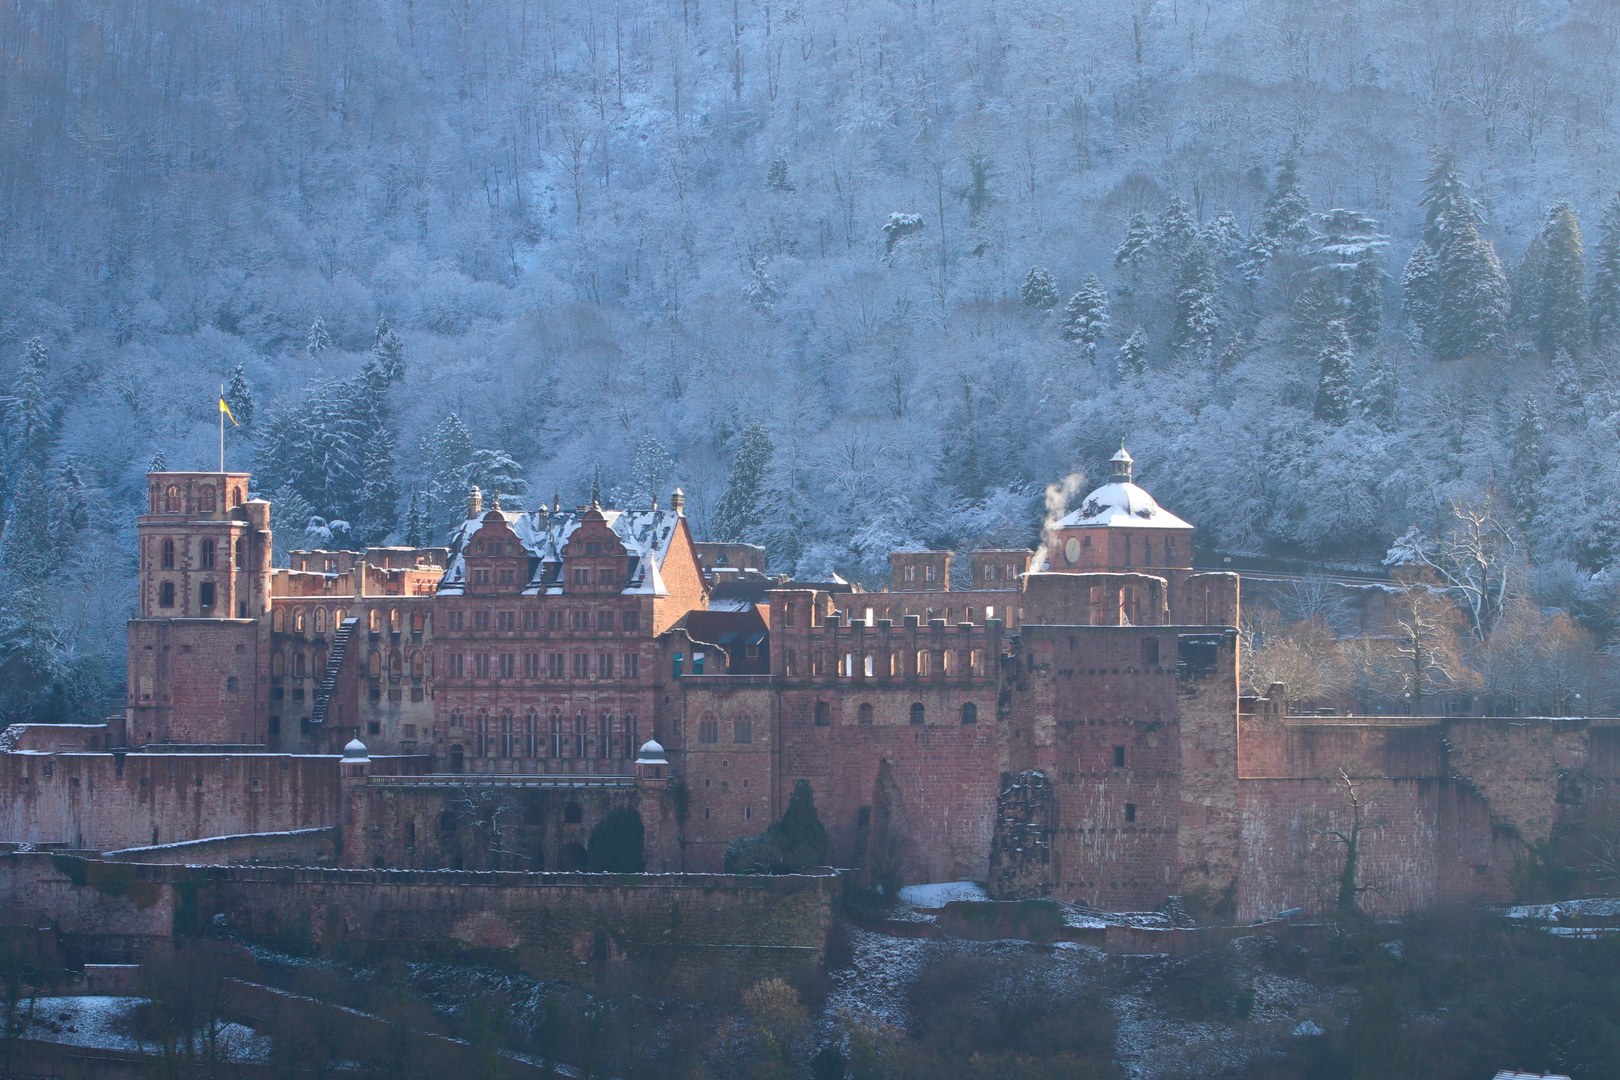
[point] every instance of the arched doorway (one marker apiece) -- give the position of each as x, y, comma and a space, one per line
572, 857
458, 761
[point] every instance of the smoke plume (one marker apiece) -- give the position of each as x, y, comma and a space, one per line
1057, 505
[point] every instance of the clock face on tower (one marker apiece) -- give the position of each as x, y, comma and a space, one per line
1071, 550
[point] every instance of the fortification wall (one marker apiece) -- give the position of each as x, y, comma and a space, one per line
301, 847
108, 802
667, 930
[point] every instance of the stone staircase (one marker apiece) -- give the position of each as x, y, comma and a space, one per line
329, 677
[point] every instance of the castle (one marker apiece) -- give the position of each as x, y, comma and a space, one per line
1063, 723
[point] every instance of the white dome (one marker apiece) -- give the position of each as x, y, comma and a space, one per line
651, 754
356, 751
1121, 505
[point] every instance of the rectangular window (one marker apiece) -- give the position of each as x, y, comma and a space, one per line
582, 576
505, 620
481, 665
604, 666
604, 620
506, 665
632, 620
582, 665
582, 620
632, 665
531, 665
455, 620
1130, 811
742, 731
455, 665
708, 731
481, 577
554, 665
531, 620
481, 620
930, 573
554, 620
911, 573
604, 577
1119, 757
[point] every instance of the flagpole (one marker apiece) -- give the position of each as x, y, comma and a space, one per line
222, 430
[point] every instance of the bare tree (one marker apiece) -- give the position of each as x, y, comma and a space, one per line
1346, 882
1424, 644
1476, 556
495, 818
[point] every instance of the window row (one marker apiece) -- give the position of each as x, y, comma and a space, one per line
505, 734
557, 665
917, 717
299, 620
575, 620
206, 595
895, 665
742, 728
896, 614
207, 555
207, 499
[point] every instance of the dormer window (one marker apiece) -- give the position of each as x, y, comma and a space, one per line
593, 547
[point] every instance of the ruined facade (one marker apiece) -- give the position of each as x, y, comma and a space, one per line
1063, 723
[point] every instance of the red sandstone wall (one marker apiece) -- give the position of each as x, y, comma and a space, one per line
179, 681
91, 801
732, 788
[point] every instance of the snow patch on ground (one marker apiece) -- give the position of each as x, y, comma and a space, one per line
941, 893
104, 1023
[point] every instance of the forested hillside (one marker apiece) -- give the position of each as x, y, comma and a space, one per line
855, 276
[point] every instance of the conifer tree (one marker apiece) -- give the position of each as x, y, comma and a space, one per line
239, 397
1352, 252
29, 420
800, 836
738, 517
1524, 310
1085, 317
377, 507
1333, 390
416, 529
1132, 358
319, 341
1378, 396
776, 176
1285, 220
160, 461
649, 471
388, 353
1419, 290
1605, 302
1562, 315
1175, 231
1040, 290
1197, 317
1133, 251
1528, 463
1473, 295
1567, 380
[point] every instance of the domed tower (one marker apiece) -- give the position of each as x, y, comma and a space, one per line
1120, 528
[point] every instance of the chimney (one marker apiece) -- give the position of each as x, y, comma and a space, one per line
475, 501
677, 503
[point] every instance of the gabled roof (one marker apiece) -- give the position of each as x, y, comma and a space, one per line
1121, 505
645, 534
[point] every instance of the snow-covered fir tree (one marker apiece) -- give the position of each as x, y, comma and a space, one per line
1197, 316
1566, 379
1040, 292
1561, 315
1085, 317
1131, 256
239, 397
388, 353
318, 340
1528, 462
740, 513
1132, 358
1334, 391
1605, 300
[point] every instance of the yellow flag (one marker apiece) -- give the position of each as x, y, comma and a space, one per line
226, 409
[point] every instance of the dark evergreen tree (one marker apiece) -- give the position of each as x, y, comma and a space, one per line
1040, 291
1378, 396
160, 461
800, 835
1317, 307
739, 516
1131, 256
388, 353
417, 529
1333, 389
30, 420
650, 472
1561, 315
1528, 463
1605, 302
1567, 381
1446, 202
1351, 253
1420, 290
319, 341
1085, 317
239, 397
1132, 358
377, 506
776, 176
1473, 295
616, 844
1197, 317
1175, 231
1285, 222
1524, 311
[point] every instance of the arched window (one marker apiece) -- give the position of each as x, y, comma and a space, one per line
790, 664
374, 664
416, 664
742, 728
579, 734
789, 614
508, 744
556, 733
280, 621
236, 496
970, 713
278, 664
395, 661
205, 499
230, 684
241, 555
922, 662
298, 621
171, 499
168, 555
918, 713
864, 714
166, 594
298, 665
375, 621
481, 726
869, 666
572, 814
320, 662
337, 618
708, 728
604, 734
529, 724
393, 620
823, 714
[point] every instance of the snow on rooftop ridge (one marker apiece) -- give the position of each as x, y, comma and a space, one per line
1121, 504
543, 533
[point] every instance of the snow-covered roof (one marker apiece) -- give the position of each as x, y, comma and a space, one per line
645, 534
1121, 505
355, 751
651, 753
